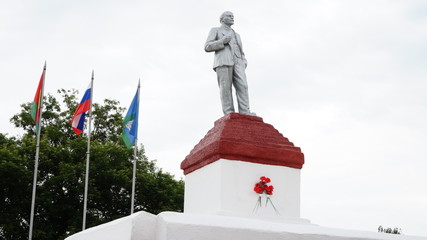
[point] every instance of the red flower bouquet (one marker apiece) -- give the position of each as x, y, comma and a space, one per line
262, 187
265, 190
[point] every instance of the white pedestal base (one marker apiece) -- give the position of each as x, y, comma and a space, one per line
225, 187
179, 226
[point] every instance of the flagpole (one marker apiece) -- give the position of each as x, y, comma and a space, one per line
134, 163
133, 178
36, 162
88, 155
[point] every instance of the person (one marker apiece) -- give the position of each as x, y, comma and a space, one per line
229, 64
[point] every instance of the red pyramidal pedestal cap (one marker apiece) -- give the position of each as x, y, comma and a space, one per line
243, 138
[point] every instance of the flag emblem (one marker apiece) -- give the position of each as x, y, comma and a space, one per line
130, 123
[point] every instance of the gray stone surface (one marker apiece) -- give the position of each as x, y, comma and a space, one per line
229, 64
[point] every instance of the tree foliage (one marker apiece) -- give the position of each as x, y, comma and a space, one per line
60, 186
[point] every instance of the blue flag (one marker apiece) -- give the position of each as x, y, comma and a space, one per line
130, 124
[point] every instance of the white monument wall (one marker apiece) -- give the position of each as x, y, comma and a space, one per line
225, 187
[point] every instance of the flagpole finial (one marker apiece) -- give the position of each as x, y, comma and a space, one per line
139, 82
93, 73
44, 68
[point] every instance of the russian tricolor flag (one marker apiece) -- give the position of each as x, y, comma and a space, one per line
78, 120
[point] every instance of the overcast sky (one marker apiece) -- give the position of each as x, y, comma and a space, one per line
343, 80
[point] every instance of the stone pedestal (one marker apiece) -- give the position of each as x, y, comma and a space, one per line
221, 172
222, 169
182, 226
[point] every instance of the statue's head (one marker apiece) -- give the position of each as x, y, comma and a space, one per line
227, 18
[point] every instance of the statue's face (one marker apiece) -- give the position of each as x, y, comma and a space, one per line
228, 18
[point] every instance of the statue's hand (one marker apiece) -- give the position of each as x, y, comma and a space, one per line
226, 39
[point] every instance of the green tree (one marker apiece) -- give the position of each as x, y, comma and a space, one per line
60, 187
